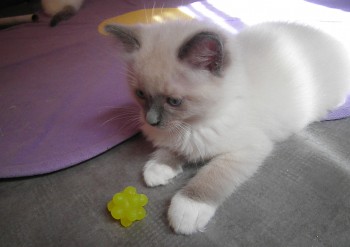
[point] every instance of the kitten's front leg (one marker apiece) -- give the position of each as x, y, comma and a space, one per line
162, 167
192, 207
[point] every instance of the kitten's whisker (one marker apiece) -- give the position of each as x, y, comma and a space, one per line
129, 108
134, 110
127, 76
199, 150
174, 133
180, 131
154, 4
122, 116
117, 118
145, 10
109, 106
130, 74
161, 10
130, 124
185, 129
126, 69
109, 120
201, 155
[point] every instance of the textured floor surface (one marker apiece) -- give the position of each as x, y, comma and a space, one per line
300, 197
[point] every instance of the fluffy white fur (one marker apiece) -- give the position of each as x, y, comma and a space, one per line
52, 7
162, 168
61, 10
275, 79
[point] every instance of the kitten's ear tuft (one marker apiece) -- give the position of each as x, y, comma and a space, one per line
125, 35
204, 51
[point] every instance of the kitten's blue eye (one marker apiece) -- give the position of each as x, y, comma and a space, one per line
174, 101
140, 94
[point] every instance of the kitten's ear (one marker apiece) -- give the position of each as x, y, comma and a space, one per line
126, 35
204, 51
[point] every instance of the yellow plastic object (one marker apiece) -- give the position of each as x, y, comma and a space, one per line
127, 206
146, 16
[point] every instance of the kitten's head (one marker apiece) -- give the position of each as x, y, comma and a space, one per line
174, 70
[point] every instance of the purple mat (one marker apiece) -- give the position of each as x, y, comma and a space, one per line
60, 88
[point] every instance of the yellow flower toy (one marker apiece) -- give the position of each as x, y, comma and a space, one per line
127, 206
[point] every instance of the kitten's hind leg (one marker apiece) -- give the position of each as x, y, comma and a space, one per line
161, 168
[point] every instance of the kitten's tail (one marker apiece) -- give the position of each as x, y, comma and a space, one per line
66, 13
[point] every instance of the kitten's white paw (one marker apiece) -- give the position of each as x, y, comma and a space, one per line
159, 174
187, 216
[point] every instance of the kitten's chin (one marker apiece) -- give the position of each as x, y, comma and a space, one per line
163, 126
147, 128
162, 130
156, 135
151, 130
167, 135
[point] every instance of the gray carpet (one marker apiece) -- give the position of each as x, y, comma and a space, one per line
300, 197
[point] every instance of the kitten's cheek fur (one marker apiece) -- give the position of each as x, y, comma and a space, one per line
156, 174
187, 216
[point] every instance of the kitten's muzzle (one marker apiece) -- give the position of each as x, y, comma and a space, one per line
153, 117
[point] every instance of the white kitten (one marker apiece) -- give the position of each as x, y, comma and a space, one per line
209, 95
61, 9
